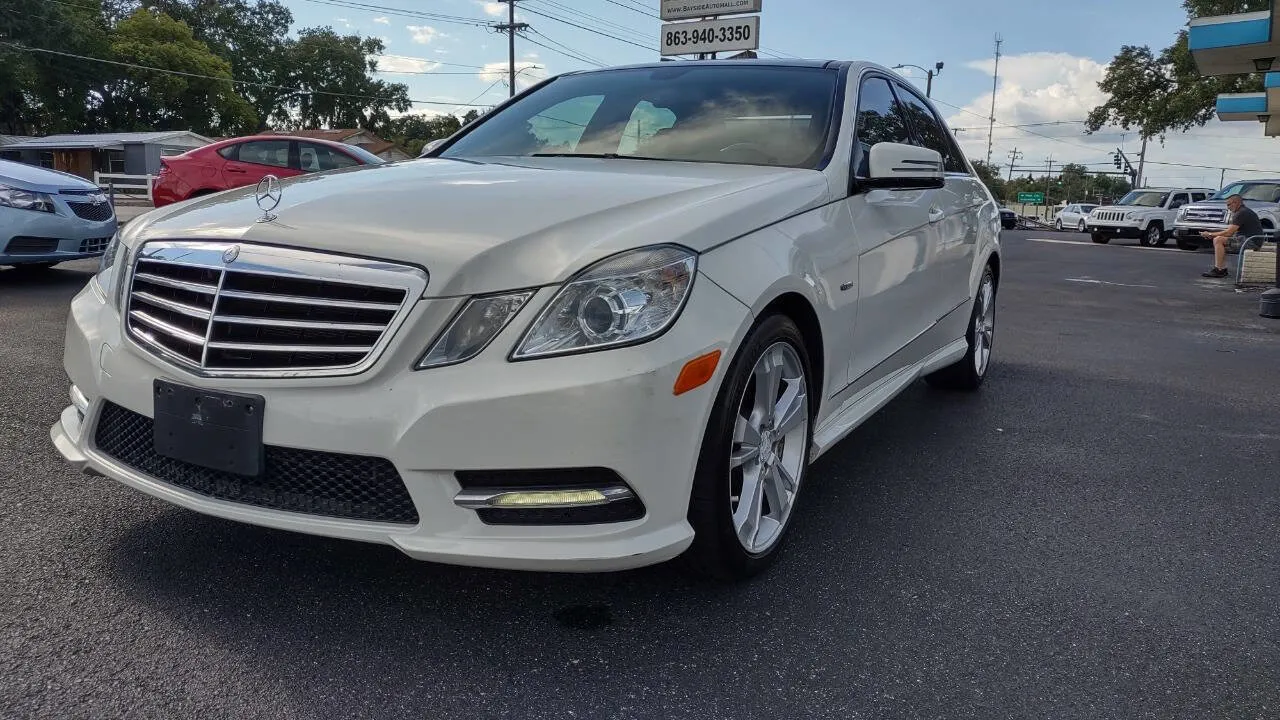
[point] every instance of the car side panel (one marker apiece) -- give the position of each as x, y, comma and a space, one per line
812, 255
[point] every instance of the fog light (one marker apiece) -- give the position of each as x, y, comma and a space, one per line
541, 498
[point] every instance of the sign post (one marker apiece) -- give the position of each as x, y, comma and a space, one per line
706, 30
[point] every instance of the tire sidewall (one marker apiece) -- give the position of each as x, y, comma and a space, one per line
715, 538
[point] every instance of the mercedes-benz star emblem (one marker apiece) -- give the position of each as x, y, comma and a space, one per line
230, 254
268, 196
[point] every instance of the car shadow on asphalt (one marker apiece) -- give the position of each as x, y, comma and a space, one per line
55, 278
893, 547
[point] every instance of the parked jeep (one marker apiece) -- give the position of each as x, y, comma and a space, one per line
1261, 196
1147, 214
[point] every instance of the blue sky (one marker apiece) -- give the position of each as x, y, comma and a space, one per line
1053, 56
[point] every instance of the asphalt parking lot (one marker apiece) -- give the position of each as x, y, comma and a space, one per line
1095, 535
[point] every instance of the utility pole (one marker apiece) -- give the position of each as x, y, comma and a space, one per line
1047, 179
1014, 156
1142, 161
995, 81
510, 28
1222, 179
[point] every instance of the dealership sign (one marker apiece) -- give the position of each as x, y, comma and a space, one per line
688, 9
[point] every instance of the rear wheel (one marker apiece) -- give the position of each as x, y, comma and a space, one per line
1101, 239
969, 372
1057, 225
755, 455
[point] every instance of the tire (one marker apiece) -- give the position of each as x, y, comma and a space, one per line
1153, 236
1186, 245
725, 466
968, 373
1101, 239
1080, 227
1057, 225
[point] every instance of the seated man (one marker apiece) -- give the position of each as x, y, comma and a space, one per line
1244, 222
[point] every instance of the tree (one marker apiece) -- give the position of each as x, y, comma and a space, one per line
43, 93
990, 176
197, 95
335, 87
251, 35
412, 132
1161, 93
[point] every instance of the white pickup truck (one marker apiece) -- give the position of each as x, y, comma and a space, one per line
1262, 196
1147, 214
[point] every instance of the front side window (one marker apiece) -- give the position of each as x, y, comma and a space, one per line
687, 112
931, 132
314, 157
880, 119
1178, 201
1145, 198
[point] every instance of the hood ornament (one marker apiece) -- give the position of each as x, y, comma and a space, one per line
268, 195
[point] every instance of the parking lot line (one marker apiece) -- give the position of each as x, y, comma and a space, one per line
1090, 243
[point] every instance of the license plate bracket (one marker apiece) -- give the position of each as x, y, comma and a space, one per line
215, 430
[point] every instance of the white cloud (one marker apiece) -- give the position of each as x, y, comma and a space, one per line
1041, 88
424, 34
343, 22
527, 73
396, 64
384, 20
494, 9
441, 51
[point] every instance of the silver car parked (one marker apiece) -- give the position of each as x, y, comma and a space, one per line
48, 217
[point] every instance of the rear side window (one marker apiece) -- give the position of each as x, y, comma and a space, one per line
266, 152
229, 152
880, 119
931, 132
1197, 197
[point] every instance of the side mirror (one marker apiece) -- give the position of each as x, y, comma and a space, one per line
431, 146
904, 167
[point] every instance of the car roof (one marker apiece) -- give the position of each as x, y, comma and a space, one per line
745, 62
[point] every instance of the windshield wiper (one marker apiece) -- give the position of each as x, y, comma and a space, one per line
604, 156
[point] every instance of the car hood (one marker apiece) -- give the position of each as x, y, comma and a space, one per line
1124, 208
1220, 204
495, 225
38, 179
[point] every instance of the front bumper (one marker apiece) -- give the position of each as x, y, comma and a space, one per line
27, 236
1118, 229
613, 409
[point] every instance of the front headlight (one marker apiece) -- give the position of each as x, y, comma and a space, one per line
108, 275
622, 300
1131, 216
25, 199
473, 329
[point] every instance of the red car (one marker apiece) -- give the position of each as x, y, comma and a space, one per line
246, 160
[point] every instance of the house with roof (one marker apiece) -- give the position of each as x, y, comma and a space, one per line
363, 139
135, 153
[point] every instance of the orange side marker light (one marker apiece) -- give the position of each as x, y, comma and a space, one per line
697, 372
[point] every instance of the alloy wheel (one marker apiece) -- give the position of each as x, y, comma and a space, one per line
984, 326
768, 451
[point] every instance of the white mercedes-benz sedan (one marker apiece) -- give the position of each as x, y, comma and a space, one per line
609, 324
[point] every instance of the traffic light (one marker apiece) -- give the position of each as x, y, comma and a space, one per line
1115, 157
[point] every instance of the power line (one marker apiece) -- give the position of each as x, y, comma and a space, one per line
560, 52
233, 81
591, 30
648, 13
592, 59
419, 14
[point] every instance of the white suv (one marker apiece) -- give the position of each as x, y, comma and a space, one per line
590, 344
1147, 214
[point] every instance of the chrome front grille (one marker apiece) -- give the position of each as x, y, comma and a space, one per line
1205, 215
227, 309
1109, 216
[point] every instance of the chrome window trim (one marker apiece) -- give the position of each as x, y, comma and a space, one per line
276, 261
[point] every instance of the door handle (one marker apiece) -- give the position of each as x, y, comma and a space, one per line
935, 215
235, 170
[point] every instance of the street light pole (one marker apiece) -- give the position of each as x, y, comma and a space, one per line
929, 74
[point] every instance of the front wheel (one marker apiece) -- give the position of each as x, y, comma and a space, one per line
1152, 236
1080, 227
755, 455
1057, 225
969, 372
1101, 239
1186, 245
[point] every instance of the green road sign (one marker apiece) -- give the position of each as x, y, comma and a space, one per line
1029, 197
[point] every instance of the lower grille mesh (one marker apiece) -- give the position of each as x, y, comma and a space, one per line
352, 487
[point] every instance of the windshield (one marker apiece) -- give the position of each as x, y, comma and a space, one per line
1144, 199
368, 157
1261, 192
696, 113
1088, 208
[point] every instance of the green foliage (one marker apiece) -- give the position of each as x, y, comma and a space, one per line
411, 132
319, 79
1159, 93
1074, 183
145, 99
